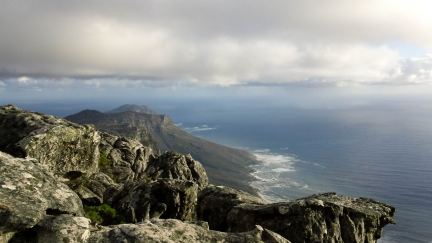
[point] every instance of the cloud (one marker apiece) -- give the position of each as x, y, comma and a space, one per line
157, 43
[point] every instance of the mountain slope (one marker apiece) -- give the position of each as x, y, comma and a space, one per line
225, 166
135, 108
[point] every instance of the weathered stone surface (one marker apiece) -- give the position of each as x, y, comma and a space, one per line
28, 192
65, 148
171, 231
124, 160
95, 189
177, 166
163, 198
215, 202
319, 218
64, 228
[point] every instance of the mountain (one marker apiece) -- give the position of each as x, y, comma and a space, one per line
225, 165
135, 108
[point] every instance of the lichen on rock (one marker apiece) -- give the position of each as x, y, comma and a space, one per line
28, 193
62, 146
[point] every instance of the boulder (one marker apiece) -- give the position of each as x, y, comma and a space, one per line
324, 217
124, 160
163, 198
95, 189
173, 231
215, 202
173, 165
28, 193
65, 148
64, 228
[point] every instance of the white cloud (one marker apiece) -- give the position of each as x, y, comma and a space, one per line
214, 42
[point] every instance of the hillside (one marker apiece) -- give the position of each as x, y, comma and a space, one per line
225, 166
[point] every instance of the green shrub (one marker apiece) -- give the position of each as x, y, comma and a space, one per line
104, 162
103, 214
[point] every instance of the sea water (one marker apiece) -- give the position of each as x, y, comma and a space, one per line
380, 152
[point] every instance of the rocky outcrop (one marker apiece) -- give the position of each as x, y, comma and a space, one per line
320, 218
163, 198
65, 148
173, 165
225, 166
124, 160
172, 230
95, 189
28, 193
215, 202
66, 228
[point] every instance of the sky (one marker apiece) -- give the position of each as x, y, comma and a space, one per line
97, 47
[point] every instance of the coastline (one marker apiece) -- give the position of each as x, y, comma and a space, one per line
274, 176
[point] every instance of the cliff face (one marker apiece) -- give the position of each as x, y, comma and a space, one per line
225, 166
74, 179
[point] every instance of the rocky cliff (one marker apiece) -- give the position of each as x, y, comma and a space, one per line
225, 166
63, 182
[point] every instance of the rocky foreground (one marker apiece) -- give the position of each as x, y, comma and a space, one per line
63, 182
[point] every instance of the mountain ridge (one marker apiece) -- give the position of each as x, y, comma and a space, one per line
225, 165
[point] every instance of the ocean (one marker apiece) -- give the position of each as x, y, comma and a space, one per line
383, 152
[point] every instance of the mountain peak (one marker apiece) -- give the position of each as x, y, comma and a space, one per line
134, 108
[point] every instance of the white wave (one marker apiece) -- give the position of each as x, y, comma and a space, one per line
282, 170
273, 174
201, 128
275, 161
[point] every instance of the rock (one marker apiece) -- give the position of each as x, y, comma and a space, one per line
87, 196
171, 231
224, 165
65, 148
177, 166
70, 229
28, 193
95, 189
319, 218
162, 198
215, 202
124, 160
64, 228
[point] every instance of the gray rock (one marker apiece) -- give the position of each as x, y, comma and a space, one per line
173, 165
171, 231
65, 148
95, 189
64, 228
162, 198
215, 202
28, 193
124, 160
319, 218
